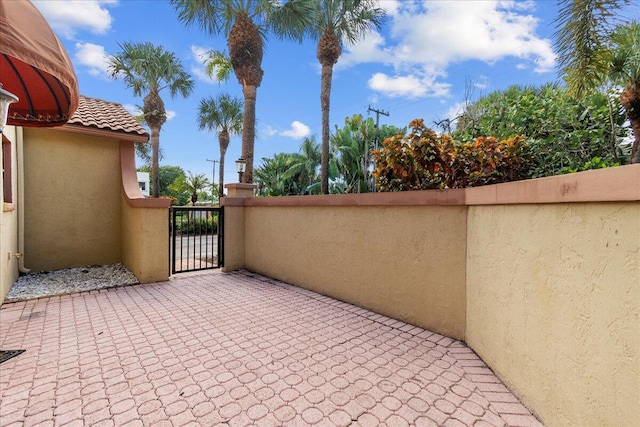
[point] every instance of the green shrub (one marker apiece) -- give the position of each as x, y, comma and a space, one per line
191, 225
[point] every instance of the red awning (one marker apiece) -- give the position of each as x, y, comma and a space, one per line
35, 67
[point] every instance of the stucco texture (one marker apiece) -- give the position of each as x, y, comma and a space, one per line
145, 251
9, 225
553, 307
72, 200
402, 261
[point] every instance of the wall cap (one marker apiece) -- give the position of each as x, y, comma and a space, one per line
615, 184
130, 189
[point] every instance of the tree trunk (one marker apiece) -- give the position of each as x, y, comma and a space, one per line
635, 148
248, 129
223, 152
155, 163
325, 99
630, 100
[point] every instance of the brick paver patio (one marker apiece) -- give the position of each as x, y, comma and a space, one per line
235, 349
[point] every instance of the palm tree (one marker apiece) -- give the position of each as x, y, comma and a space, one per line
245, 24
223, 114
592, 48
335, 22
272, 179
218, 65
149, 69
625, 70
306, 164
191, 184
196, 184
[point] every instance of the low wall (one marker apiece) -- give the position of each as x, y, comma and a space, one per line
145, 225
540, 277
405, 262
553, 307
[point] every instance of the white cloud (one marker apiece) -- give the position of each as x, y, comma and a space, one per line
410, 86
93, 57
390, 7
448, 32
200, 54
135, 111
66, 17
369, 49
269, 131
298, 130
425, 38
456, 110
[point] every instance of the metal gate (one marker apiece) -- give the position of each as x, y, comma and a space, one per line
196, 241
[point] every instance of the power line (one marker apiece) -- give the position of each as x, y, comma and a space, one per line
378, 112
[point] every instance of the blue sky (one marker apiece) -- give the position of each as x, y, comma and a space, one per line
428, 57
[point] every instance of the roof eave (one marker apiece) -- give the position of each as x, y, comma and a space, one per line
103, 133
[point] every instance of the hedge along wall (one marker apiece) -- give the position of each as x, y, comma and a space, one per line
540, 277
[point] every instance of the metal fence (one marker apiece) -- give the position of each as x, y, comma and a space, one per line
196, 238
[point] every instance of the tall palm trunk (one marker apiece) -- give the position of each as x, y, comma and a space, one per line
328, 52
245, 52
630, 100
325, 99
248, 129
155, 116
223, 139
221, 173
155, 161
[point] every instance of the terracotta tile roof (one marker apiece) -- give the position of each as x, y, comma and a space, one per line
96, 113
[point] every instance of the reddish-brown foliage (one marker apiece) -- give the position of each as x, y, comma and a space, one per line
425, 160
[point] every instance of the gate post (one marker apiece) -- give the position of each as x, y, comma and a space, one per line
234, 205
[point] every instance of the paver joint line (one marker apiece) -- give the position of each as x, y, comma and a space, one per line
236, 349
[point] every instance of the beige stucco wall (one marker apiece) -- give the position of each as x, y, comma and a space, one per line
405, 262
540, 277
145, 248
145, 225
234, 239
72, 200
553, 307
9, 224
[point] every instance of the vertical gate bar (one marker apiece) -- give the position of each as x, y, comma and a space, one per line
199, 239
187, 239
221, 237
206, 235
172, 242
193, 254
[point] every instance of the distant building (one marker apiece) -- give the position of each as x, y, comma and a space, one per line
143, 183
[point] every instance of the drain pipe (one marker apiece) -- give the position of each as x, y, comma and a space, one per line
20, 174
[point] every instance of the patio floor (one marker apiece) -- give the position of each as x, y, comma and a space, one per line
235, 349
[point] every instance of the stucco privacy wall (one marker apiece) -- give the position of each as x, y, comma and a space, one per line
9, 224
72, 200
550, 280
406, 262
553, 306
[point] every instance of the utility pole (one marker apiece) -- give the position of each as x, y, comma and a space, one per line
378, 112
213, 181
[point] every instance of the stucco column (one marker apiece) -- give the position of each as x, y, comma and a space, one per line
234, 233
240, 190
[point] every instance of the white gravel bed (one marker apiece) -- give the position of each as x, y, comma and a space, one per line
68, 281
